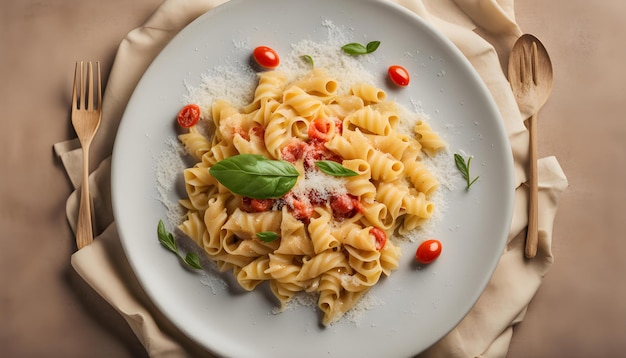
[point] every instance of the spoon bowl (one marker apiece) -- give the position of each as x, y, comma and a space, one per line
530, 74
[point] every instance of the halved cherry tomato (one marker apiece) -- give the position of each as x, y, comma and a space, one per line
428, 251
188, 116
380, 236
266, 57
399, 75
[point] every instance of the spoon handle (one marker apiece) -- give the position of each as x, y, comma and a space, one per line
533, 229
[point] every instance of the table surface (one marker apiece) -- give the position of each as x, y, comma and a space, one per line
579, 310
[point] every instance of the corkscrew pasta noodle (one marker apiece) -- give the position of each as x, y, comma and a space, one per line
335, 256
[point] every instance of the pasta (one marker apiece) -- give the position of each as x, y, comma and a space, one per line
331, 232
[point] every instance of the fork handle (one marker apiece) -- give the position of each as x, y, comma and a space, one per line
84, 229
532, 234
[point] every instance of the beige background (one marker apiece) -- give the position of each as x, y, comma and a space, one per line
46, 309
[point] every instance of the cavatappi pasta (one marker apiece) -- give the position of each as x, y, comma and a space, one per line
331, 231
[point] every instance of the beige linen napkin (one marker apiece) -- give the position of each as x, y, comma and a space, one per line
484, 30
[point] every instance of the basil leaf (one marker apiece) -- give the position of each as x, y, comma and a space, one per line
166, 238
308, 59
267, 236
335, 169
193, 260
355, 48
255, 176
372, 46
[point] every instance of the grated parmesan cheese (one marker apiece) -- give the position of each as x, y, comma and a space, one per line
323, 185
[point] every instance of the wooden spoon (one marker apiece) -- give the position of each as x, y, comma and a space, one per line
530, 75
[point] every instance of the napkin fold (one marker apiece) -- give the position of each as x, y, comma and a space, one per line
484, 30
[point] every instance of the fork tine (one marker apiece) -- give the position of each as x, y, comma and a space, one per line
99, 104
81, 92
75, 87
84, 86
89, 100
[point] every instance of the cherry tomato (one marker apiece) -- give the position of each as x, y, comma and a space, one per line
188, 116
266, 57
398, 75
380, 236
428, 251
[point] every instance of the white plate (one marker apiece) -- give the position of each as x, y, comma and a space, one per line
417, 306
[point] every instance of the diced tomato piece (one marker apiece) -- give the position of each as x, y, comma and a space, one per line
294, 151
316, 198
259, 205
245, 204
241, 132
341, 205
339, 126
328, 155
251, 205
301, 210
258, 131
380, 236
319, 129
345, 206
358, 206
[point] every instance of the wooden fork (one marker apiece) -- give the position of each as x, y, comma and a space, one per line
86, 114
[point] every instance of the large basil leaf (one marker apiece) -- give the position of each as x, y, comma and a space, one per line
255, 176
